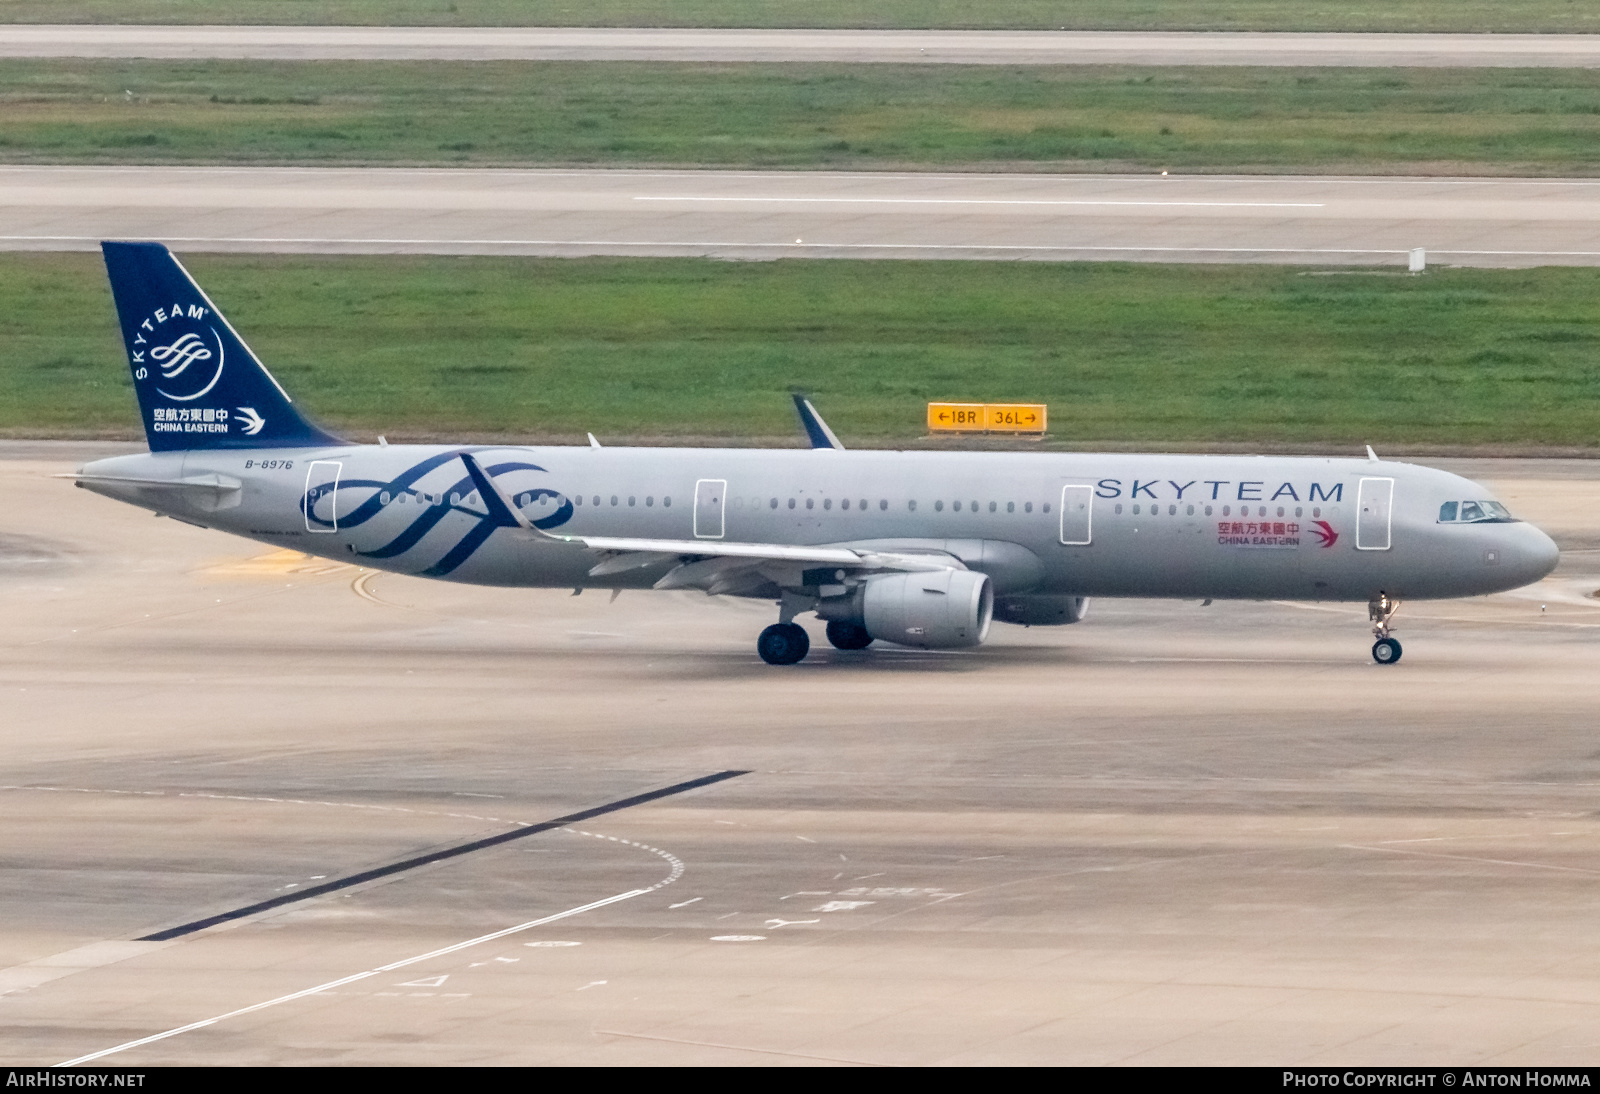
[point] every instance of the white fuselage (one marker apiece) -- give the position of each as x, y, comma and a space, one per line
1084, 524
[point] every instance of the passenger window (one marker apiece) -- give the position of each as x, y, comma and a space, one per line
383, 498
1447, 511
811, 503
1172, 510
773, 504
791, 503
649, 501
1280, 510
455, 498
912, 505
974, 507
1471, 510
596, 500
578, 500
956, 505
1191, 511
883, 503
827, 503
667, 502
1298, 511
1011, 507
844, 503
938, 507
1027, 507
992, 507
630, 501
1136, 510
613, 499
863, 504
1119, 508
1208, 510
1045, 507
1226, 510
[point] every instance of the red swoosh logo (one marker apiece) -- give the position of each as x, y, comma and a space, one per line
1324, 531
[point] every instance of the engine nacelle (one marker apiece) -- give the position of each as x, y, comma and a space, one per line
936, 610
1041, 611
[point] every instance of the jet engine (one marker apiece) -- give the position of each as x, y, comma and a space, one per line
939, 609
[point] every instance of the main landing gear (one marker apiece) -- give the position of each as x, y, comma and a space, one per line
788, 643
1385, 651
783, 644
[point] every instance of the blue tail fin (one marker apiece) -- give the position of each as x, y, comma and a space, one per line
199, 385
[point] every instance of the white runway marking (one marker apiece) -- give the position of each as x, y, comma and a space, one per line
1474, 858
330, 985
992, 201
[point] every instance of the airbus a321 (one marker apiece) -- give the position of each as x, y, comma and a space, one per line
922, 549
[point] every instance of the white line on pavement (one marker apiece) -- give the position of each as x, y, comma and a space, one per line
330, 985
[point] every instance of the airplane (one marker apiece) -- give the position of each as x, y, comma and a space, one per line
914, 548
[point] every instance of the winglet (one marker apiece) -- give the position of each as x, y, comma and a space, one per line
1371, 455
817, 430
592, 442
494, 499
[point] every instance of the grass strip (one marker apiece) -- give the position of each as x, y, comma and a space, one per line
1456, 121
1127, 354
1477, 16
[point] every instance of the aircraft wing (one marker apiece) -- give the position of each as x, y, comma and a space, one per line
713, 565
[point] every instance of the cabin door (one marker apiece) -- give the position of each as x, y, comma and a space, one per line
1374, 514
710, 497
1077, 506
322, 496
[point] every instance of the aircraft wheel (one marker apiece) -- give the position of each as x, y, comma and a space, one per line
1386, 651
848, 636
783, 644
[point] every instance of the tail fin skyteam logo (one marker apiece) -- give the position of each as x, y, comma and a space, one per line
181, 349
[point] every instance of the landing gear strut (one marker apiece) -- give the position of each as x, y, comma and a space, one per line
783, 644
1385, 651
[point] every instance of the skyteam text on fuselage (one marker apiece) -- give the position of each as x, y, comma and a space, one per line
917, 548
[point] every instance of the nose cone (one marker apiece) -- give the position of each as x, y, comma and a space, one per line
1532, 554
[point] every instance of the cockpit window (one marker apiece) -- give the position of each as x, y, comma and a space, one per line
1474, 512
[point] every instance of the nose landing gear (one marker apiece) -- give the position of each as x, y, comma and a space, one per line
1385, 651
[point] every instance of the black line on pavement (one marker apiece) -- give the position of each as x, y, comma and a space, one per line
436, 856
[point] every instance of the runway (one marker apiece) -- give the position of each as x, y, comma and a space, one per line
1171, 834
897, 46
769, 215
